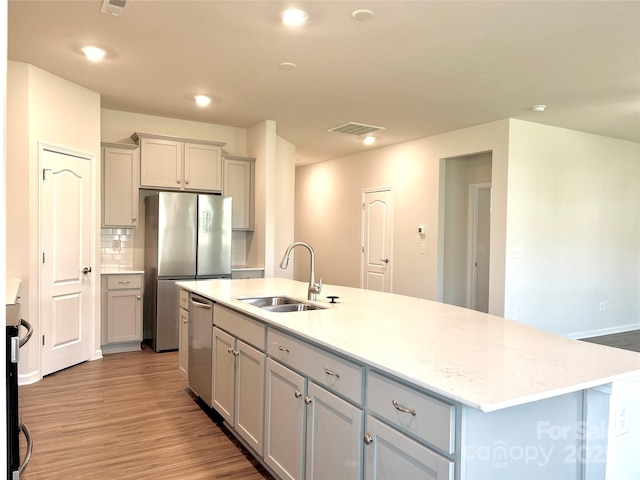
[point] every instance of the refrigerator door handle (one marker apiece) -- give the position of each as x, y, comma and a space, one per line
206, 221
27, 458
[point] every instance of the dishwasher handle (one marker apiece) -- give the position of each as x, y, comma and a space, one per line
206, 306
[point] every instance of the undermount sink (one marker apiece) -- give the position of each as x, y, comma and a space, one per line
280, 304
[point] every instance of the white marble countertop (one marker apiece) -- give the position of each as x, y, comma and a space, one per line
479, 360
239, 268
120, 271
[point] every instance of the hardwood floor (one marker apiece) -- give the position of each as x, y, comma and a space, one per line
127, 416
625, 340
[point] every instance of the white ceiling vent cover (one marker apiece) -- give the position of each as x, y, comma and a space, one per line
355, 129
113, 7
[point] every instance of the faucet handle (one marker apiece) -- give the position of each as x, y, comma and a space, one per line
316, 287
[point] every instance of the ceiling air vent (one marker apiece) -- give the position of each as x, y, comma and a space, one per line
113, 7
356, 129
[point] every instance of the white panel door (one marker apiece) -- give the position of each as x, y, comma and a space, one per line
67, 240
377, 239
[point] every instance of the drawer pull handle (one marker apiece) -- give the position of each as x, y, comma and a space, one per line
368, 439
283, 349
297, 394
121, 282
329, 372
402, 409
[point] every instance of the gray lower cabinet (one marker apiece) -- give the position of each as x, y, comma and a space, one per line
284, 421
311, 432
390, 455
238, 374
334, 433
183, 343
121, 313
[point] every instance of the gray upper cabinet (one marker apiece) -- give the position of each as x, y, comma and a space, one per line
171, 163
120, 177
239, 183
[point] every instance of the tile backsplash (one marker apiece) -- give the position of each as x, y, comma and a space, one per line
116, 247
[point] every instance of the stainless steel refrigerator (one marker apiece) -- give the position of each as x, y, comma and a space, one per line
187, 237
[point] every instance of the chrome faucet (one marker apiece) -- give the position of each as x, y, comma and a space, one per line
314, 288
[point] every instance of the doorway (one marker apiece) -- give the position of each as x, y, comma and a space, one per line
67, 258
478, 249
465, 222
377, 240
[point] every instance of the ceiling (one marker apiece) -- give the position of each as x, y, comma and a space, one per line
417, 68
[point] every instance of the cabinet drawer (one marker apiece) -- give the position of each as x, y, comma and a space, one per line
119, 282
245, 328
427, 418
331, 371
184, 299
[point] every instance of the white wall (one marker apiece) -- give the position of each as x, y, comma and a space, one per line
328, 209
43, 107
117, 127
285, 200
574, 202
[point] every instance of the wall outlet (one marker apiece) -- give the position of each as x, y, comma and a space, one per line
422, 248
116, 245
514, 314
518, 252
604, 306
622, 418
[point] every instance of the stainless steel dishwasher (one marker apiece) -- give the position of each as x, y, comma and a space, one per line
200, 346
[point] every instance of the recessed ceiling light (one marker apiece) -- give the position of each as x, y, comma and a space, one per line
362, 15
369, 140
94, 54
538, 108
202, 100
287, 66
293, 17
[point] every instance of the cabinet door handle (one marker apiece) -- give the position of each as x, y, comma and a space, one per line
229, 350
308, 400
297, 394
283, 349
332, 373
402, 409
133, 219
138, 297
368, 439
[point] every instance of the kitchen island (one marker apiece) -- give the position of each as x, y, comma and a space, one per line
497, 399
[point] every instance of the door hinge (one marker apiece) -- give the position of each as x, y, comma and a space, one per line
363, 249
363, 205
44, 174
43, 258
43, 340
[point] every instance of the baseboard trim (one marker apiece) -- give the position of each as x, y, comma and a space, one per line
604, 331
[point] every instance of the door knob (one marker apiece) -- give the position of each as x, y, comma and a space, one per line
385, 260
86, 270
